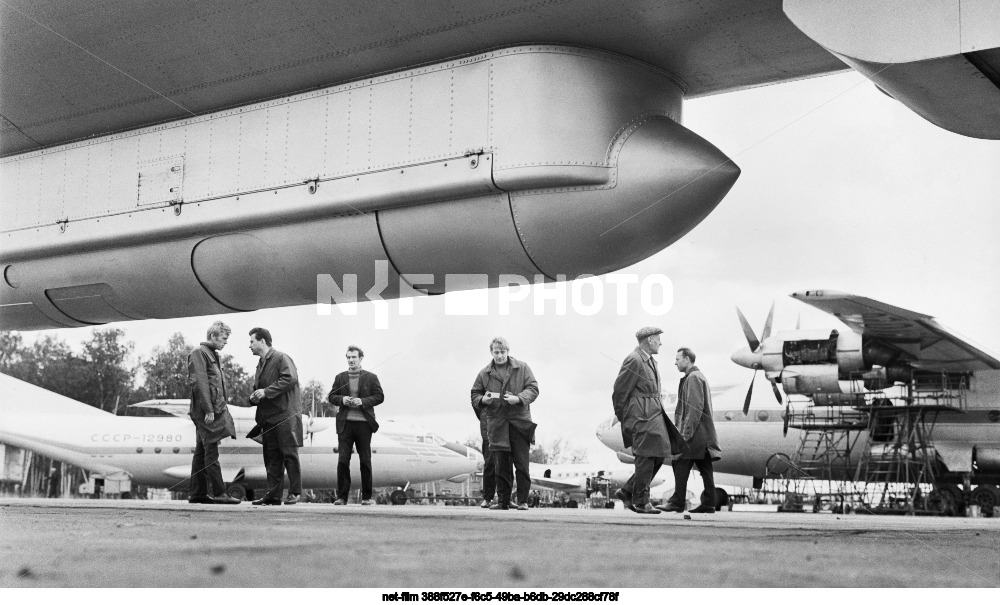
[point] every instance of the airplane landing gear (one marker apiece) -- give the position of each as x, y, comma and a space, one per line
987, 497
235, 490
948, 499
397, 498
721, 498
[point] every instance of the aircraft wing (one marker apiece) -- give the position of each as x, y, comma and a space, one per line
229, 473
555, 483
933, 346
58, 453
68, 77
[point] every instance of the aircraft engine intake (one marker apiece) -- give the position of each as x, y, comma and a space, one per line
541, 162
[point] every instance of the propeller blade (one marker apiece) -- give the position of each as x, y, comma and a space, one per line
777, 393
784, 431
767, 324
748, 331
746, 403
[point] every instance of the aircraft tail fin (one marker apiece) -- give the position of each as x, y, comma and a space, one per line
20, 396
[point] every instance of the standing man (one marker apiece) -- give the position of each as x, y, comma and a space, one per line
279, 418
694, 420
645, 427
356, 392
505, 389
212, 421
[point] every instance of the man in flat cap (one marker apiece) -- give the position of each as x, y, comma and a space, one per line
645, 427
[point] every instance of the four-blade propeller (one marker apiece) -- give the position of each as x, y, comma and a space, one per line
755, 345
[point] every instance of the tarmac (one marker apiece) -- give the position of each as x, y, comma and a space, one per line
129, 543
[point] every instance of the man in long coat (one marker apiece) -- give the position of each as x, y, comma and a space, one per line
645, 427
212, 421
694, 420
504, 391
279, 418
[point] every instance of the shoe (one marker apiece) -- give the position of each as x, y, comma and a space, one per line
703, 509
225, 499
645, 509
625, 497
367, 502
201, 499
291, 499
340, 502
670, 508
485, 504
522, 506
500, 506
267, 502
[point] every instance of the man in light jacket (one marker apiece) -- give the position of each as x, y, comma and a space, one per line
504, 391
694, 420
210, 413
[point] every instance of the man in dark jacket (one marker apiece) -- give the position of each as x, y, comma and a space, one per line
505, 389
694, 420
645, 427
279, 418
212, 421
356, 392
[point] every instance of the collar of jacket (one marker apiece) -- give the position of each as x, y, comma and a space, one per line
511, 363
642, 352
691, 369
209, 347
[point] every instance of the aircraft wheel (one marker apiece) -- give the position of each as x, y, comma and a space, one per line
397, 498
721, 498
947, 499
987, 497
235, 490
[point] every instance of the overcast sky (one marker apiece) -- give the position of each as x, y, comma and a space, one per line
841, 188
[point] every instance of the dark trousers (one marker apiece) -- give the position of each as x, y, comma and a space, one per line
356, 435
206, 474
682, 469
520, 444
489, 468
281, 454
637, 485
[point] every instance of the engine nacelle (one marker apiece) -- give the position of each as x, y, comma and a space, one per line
809, 379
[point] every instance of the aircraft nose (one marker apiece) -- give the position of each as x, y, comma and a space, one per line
605, 433
747, 359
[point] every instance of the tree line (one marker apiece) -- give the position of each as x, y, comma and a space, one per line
106, 375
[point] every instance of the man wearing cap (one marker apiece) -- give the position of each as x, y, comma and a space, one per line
645, 428
694, 420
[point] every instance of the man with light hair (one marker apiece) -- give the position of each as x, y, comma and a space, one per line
210, 413
503, 391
